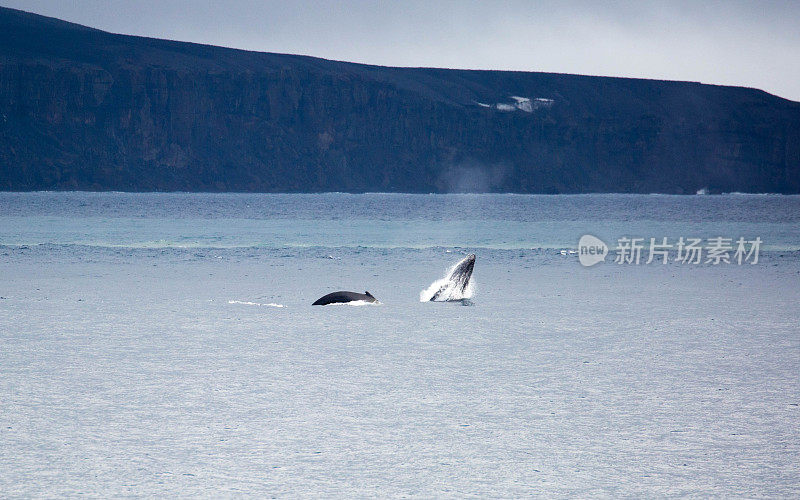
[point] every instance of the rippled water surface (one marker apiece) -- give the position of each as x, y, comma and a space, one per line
164, 344
386, 220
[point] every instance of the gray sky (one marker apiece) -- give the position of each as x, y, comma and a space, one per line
753, 44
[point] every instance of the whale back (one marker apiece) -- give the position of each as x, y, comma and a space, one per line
343, 297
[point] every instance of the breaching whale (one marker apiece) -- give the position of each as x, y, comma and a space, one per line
342, 297
455, 286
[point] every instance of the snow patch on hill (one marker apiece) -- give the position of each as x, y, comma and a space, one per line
525, 104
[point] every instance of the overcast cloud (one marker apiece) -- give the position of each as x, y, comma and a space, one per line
753, 44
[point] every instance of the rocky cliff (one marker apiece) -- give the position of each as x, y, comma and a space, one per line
85, 109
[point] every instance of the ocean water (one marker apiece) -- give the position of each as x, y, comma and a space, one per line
164, 344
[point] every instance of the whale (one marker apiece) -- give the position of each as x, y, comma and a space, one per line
343, 297
455, 286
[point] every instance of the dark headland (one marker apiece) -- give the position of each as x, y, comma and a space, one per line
85, 109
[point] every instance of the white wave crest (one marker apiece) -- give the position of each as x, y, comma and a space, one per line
247, 303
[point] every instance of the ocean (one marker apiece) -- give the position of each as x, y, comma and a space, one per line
164, 344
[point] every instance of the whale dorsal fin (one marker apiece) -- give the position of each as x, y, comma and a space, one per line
368, 294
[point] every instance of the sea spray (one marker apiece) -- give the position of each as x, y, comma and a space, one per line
452, 286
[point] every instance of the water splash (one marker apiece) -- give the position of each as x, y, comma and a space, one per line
356, 303
451, 287
248, 303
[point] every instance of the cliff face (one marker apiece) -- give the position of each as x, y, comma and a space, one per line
85, 109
